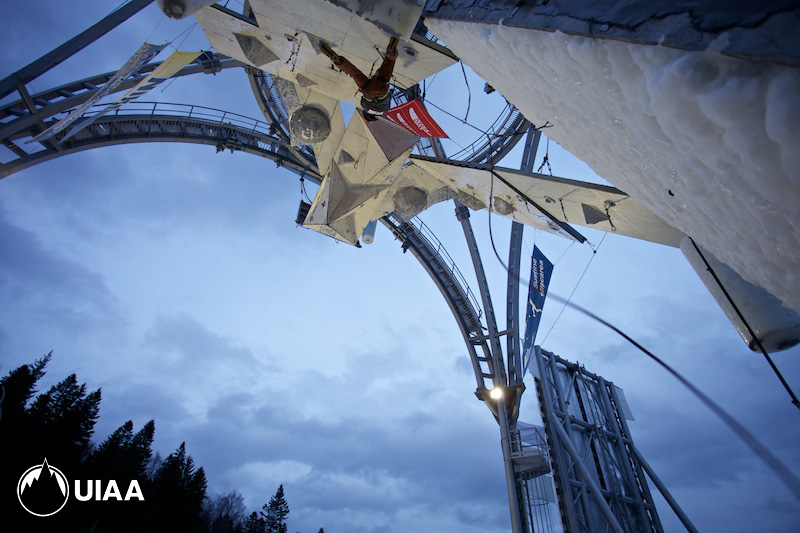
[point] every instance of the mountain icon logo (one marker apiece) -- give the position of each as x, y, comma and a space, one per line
43, 490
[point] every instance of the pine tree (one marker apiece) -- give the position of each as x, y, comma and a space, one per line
254, 524
64, 417
276, 512
57, 425
178, 492
19, 386
123, 457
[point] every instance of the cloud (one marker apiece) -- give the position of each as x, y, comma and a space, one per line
49, 300
194, 345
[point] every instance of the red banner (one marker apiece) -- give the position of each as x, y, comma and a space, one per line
415, 118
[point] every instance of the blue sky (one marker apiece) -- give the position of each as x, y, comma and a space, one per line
175, 278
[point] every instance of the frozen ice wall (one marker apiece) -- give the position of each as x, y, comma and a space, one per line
708, 142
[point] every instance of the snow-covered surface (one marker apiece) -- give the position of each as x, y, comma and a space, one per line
709, 143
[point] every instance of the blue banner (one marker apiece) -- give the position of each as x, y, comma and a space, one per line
541, 269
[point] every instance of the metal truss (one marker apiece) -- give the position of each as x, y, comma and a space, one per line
20, 78
27, 117
427, 249
600, 480
160, 122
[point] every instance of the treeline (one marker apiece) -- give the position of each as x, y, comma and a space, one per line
59, 424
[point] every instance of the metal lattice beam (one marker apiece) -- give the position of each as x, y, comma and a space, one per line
17, 118
71, 47
125, 129
600, 480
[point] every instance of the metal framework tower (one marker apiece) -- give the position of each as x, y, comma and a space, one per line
600, 482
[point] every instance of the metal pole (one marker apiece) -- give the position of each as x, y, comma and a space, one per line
71, 47
664, 492
584, 473
513, 325
499, 377
514, 353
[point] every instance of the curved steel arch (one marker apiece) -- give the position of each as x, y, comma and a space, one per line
466, 309
137, 128
28, 114
196, 125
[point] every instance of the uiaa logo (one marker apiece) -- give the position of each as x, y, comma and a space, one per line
43, 490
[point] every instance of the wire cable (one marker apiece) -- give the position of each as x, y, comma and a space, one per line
469, 91
762, 452
575, 288
778, 468
761, 348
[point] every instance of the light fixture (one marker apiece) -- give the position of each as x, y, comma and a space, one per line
496, 393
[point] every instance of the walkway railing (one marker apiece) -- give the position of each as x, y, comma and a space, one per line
207, 114
504, 134
436, 246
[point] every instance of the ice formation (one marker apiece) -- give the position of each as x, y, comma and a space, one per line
709, 143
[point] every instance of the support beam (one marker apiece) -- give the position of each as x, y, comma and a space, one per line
499, 378
664, 492
68, 49
594, 489
513, 325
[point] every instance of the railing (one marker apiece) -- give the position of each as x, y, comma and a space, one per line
206, 114
528, 439
435, 245
503, 130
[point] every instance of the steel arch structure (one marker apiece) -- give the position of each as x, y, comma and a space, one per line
29, 115
200, 125
178, 123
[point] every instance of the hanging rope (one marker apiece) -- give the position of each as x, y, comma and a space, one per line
303, 192
469, 91
546, 160
761, 348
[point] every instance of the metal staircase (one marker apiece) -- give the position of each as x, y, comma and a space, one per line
424, 245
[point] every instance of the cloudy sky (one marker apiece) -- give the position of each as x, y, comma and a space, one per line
175, 278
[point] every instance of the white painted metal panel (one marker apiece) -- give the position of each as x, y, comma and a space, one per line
570, 201
565, 199
292, 29
476, 184
355, 190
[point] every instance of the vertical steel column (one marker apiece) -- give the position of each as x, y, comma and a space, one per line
531, 147
549, 375
513, 352
566, 504
499, 377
